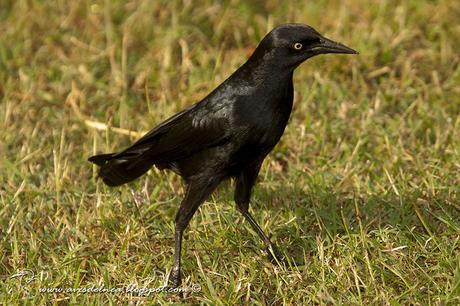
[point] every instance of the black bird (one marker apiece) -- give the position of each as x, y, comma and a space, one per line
229, 133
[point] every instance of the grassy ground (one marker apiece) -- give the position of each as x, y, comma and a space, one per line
363, 187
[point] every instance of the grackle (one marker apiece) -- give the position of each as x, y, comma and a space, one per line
228, 134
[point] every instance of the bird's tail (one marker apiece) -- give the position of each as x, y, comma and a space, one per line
118, 169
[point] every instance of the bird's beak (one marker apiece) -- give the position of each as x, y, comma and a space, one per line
329, 46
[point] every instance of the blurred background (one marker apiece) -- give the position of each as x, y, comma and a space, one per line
363, 186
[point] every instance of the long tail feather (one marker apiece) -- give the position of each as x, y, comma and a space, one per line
100, 159
119, 170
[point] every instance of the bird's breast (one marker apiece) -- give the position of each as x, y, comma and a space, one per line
263, 121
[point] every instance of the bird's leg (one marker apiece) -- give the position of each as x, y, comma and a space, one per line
244, 184
197, 192
174, 278
271, 249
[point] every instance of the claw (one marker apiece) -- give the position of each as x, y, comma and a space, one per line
174, 279
276, 257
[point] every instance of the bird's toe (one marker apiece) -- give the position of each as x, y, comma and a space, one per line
174, 279
277, 257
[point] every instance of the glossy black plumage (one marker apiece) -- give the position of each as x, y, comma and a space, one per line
229, 132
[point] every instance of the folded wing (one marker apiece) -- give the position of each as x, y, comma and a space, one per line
184, 134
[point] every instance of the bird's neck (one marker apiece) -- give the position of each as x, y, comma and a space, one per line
262, 72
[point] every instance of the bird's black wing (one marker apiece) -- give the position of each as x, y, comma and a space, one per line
192, 130
202, 126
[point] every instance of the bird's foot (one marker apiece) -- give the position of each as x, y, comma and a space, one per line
174, 279
274, 255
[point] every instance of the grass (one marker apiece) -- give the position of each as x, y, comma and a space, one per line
363, 187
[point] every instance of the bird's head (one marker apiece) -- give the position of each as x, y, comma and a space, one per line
290, 44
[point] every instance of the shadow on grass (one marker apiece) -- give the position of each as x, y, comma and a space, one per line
326, 213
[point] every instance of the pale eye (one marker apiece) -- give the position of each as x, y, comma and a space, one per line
298, 46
